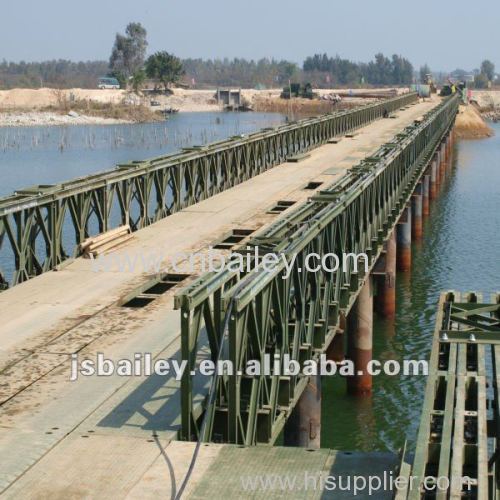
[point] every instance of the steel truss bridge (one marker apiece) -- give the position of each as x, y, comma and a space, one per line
41, 226
236, 317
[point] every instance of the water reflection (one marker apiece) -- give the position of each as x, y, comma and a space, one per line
41, 155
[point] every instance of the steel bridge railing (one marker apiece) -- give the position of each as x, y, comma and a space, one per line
43, 225
268, 313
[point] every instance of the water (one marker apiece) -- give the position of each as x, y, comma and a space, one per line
51, 154
460, 250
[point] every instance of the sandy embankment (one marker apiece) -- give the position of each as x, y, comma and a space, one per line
486, 98
28, 107
32, 99
470, 124
191, 101
22, 107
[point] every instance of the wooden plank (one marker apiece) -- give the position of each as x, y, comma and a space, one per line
110, 246
103, 236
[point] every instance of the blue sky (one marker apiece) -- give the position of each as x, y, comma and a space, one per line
445, 34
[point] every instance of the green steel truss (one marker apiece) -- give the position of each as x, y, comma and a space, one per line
262, 313
34, 221
460, 424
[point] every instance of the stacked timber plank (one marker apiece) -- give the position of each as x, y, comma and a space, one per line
102, 243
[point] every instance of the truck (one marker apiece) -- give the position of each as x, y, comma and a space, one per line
298, 90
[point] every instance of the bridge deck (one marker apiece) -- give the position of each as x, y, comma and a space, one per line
221, 471
46, 422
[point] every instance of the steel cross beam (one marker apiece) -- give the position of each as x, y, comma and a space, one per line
36, 219
270, 314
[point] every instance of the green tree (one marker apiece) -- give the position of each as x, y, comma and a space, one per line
138, 79
287, 71
402, 70
128, 53
164, 67
488, 69
379, 71
481, 81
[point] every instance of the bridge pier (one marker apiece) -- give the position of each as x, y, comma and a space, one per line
360, 340
403, 237
386, 282
433, 188
438, 170
425, 194
442, 168
451, 140
416, 213
303, 428
439, 157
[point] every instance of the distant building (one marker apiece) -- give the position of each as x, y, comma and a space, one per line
229, 98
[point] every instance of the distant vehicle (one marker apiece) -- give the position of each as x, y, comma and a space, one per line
298, 90
155, 103
108, 83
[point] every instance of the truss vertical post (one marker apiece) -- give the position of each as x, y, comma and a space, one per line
336, 349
